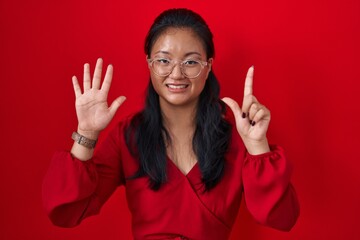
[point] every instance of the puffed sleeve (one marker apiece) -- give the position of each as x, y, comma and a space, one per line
73, 190
269, 195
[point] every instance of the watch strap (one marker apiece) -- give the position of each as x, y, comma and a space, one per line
84, 141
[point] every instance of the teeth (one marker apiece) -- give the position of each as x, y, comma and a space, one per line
176, 86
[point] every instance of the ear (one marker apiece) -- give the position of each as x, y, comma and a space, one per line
147, 58
210, 62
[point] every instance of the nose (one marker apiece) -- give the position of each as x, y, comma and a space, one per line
176, 73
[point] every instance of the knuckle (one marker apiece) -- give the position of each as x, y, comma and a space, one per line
254, 107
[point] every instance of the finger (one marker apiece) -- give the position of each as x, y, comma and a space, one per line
108, 78
86, 77
234, 106
254, 108
76, 86
262, 114
97, 74
248, 88
116, 104
247, 102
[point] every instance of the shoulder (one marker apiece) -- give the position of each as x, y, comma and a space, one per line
125, 130
117, 132
128, 120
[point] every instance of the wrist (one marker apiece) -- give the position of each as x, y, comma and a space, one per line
93, 135
84, 141
257, 147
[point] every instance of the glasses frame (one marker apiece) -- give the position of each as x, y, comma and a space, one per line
175, 62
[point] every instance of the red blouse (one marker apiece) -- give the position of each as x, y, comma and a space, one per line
74, 190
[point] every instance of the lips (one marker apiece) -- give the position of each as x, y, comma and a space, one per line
177, 86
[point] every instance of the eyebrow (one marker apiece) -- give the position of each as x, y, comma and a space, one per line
192, 53
186, 55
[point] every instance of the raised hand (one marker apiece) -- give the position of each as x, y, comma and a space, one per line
252, 119
92, 109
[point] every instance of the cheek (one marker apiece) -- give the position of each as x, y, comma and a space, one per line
156, 82
202, 80
198, 86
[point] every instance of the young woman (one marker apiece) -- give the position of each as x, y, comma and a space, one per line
184, 160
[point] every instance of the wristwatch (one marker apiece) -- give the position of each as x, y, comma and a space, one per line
84, 141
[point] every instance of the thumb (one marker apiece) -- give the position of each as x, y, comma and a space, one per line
116, 104
234, 106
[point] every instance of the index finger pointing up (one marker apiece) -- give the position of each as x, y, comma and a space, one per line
248, 89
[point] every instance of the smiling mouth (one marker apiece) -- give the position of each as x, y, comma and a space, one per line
179, 86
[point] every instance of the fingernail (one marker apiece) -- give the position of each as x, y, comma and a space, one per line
243, 115
250, 122
253, 123
253, 66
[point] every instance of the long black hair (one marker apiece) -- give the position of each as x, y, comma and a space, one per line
146, 135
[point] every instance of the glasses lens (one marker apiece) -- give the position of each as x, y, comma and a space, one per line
191, 68
162, 67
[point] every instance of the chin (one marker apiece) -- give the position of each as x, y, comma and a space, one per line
179, 102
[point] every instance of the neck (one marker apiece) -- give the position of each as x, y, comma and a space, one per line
179, 121
179, 118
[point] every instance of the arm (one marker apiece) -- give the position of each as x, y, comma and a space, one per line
269, 195
75, 189
78, 183
268, 192
92, 110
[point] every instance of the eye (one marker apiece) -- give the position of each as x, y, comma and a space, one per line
190, 62
162, 61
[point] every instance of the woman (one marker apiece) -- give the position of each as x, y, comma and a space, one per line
183, 164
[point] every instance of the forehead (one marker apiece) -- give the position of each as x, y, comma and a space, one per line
178, 42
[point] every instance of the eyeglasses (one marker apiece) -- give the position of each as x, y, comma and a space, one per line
189, 68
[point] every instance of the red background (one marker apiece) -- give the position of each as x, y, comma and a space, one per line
306, 57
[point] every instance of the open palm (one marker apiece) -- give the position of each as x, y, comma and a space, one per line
92, 109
